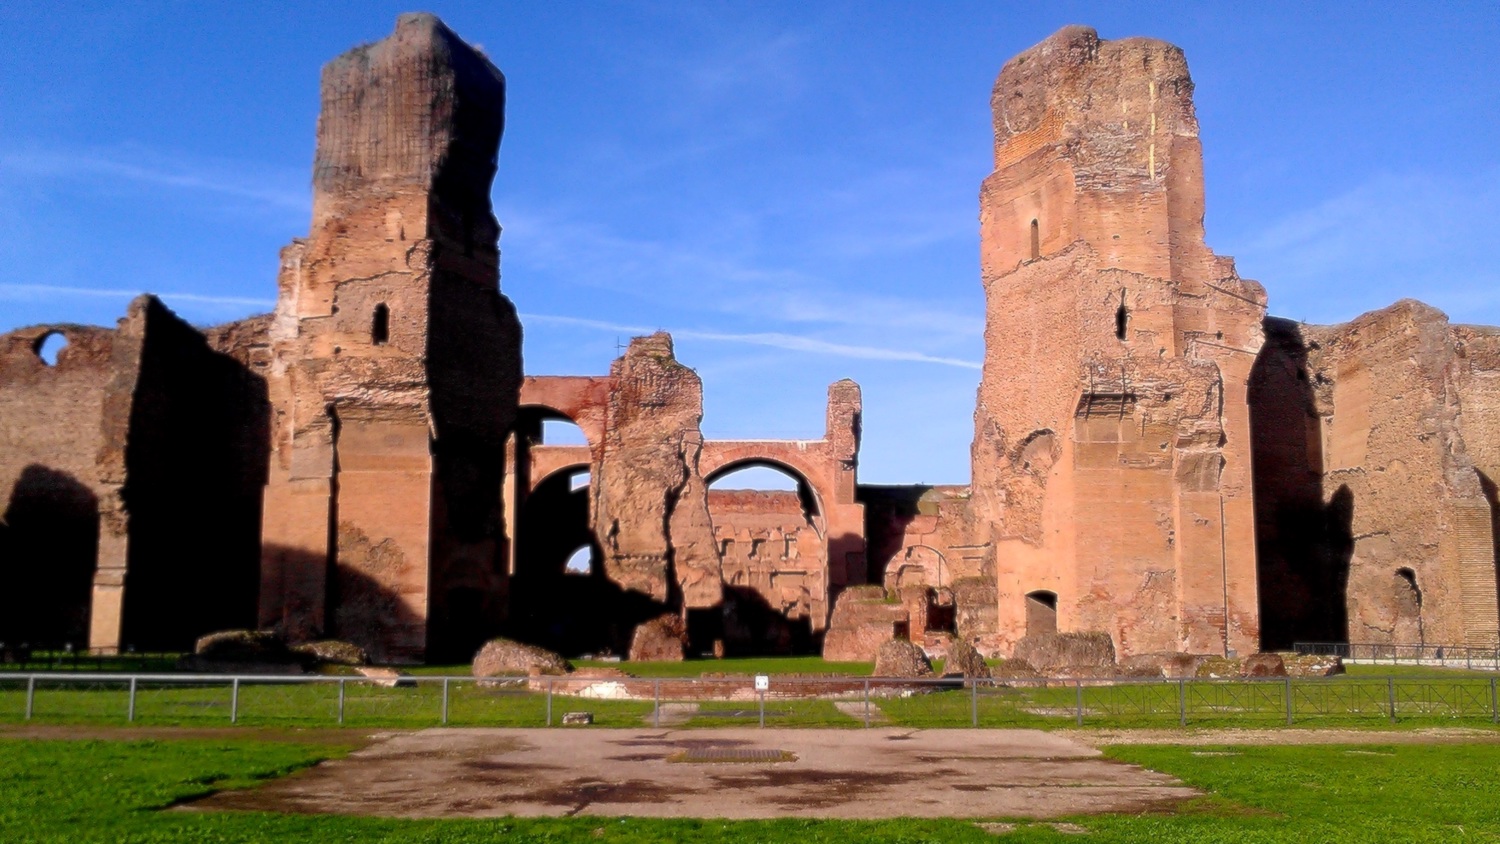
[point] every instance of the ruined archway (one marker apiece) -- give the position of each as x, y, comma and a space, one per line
553, 603
769, 534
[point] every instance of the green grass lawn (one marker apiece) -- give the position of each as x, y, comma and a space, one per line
75, 792
1411, 671
1357, 700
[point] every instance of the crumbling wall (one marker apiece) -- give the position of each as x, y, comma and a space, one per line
650, 504
1376, 447
194, 459
775, 571
133, 469
1111, 454
51, 425
396, 360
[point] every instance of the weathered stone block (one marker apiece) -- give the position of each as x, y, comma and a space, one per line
1053, 652
900, 658
503, 657
658, 640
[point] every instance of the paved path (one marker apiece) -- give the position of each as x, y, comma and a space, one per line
875, 773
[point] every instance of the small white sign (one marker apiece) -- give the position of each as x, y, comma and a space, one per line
762, 682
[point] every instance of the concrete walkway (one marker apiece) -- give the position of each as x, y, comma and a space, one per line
725, 773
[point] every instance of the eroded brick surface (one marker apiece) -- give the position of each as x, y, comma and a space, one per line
367, 463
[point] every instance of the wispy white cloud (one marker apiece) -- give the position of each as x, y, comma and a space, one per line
773, 60
777, 340
244, 181
721, 280
34, 292
1394, 236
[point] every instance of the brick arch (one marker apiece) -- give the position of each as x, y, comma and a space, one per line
549, 472
803, 481
580, 400
719, 458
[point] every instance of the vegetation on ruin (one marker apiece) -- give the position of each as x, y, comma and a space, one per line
116, 791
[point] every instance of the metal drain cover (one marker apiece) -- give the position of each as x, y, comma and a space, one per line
732, 754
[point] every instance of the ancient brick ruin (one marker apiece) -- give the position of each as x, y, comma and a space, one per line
1155, 461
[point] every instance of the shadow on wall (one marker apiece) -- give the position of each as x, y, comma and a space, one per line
1492, 495
750, 626
49, 545
572, 612
364, 611
888, 512
1304, 543
196, 462
474, 362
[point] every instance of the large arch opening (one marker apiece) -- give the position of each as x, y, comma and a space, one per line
1406, 603
768, 526
49, 545
561, 598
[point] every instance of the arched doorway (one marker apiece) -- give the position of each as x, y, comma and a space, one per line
768, 527
561, 598
1041, 613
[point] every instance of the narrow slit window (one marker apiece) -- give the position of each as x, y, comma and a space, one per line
1036, 240
1122, 318
380, 326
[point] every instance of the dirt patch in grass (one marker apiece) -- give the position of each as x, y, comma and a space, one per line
804, 773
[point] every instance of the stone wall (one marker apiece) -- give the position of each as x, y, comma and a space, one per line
775, 567
1111, 456
132, 472
1376, 450
650, 504
396, 361
51, 419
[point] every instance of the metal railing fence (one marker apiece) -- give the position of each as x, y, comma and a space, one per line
422, 701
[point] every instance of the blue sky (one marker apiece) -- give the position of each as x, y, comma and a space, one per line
791, 188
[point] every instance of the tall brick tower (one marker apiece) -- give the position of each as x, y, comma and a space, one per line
1111, 455
397, 361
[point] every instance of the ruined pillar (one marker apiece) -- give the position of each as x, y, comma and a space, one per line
845, 514
1111, 456
397, 360
649, 501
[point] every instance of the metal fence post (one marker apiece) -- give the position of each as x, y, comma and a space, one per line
1494, 708
445, 700
1078, 687
549, 701
341, 700
130, 709
234, 700
867, 702
1390, 696
656, 695
974, 702
1288, 692
31, 695
1182, 702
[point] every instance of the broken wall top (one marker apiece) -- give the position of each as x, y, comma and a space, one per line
418, 109
1098, 141
1076, 92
